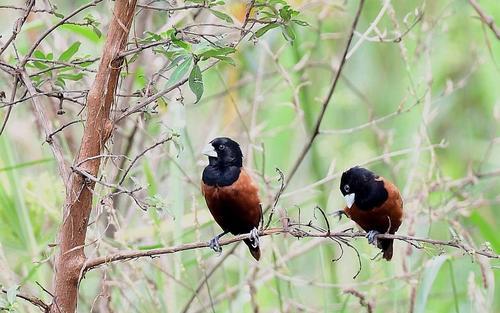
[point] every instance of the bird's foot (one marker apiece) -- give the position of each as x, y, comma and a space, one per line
371, 236
215, 245
338, 214
254, 237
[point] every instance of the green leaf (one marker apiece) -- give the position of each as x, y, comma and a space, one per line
264, 29
97, 31
285, 13
288, 33
301, 23
217, 52
196, 82
179, 43
222, 16
225, 59
39, 65
180, 71
431, 270
68, 53
59, 15
60, 82
86, 64
83, 31
153, 37
175, 62
71, 76
39, 54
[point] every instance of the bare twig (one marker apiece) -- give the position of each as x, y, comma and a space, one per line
207, 276
324, 106
485, 18
9, 110
362, 299
49, 136
281, 179
172, 9
141, 154
31, 299
47, 128
18, 25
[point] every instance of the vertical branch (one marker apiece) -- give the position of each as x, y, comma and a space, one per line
98, 128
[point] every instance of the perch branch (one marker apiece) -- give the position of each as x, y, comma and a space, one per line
294, 231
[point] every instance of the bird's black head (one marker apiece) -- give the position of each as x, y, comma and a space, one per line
224, 162
224, 152
363, 188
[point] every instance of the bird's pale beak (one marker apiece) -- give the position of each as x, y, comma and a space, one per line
210, 151
349, 199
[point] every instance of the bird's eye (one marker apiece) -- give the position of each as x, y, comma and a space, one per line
221, 147
347, 188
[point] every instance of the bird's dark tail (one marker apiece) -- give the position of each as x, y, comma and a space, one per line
254, 251
386, 246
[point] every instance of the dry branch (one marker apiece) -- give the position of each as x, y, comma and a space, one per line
294, 231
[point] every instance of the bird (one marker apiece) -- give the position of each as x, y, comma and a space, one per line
374, 203
231, 194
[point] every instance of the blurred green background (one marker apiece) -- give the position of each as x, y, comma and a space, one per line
422, 111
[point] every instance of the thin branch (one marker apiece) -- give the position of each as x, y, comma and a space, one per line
324, 106
140, 155
11, 7
139, 107
362, 299
18, 25
194, 6
400, 110
47, 128
143, 47
49, 137
207, 276
9, 110
485, 18
294, 231
33, 300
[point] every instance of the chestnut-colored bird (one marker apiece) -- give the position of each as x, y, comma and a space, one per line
374, 203
231, 195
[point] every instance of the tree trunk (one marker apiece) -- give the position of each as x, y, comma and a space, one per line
98, 129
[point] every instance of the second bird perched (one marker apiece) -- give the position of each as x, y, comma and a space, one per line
374, 203
230, 193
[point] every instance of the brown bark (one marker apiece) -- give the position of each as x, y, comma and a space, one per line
98, 128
